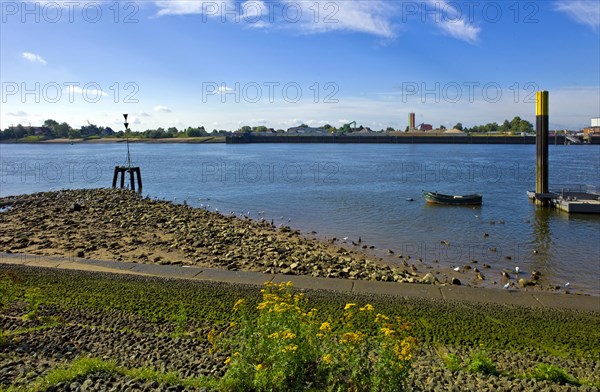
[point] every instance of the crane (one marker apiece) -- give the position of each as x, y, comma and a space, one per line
346, 127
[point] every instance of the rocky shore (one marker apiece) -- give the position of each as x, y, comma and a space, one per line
119, 225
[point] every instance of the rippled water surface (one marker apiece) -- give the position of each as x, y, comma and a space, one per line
358, 190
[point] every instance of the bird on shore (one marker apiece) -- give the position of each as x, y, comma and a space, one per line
506, 286
567, 284
517, 270
456, 269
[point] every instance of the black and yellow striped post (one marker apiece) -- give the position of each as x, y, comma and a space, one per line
541, 148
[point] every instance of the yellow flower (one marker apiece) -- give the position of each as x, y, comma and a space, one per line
387, 331
348, 306
327, 359
288, 335
238, 304
351, 337
325, 327
367, 307
289, 347
259, 367
227, 360
211, 336
381, 317
274, 335
403, 349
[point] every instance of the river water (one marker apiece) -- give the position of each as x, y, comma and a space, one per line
357, 190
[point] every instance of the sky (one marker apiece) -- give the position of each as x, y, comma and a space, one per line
223, 64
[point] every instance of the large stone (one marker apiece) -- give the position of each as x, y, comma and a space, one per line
429, 278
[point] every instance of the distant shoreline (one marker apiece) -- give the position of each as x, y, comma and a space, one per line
205, 139
345, 139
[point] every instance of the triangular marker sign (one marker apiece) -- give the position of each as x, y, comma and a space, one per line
126, 125
125, 116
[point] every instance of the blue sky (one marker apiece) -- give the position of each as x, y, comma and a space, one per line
227, 63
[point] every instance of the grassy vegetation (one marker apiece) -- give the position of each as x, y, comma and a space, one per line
548, 331
184, 303
82, 367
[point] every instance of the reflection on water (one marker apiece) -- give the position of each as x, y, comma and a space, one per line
542, 238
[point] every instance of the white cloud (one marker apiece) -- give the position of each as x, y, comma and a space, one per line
34, 58
185, 7
254, 10
456, 28
461, 30
586, 12
161, 108
224, 89
373, 17
19, 113
144, 114
370, 17
90, 93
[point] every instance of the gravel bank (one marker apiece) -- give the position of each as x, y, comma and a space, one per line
118, 225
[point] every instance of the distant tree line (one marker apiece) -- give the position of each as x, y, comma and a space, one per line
516, 126
52, 129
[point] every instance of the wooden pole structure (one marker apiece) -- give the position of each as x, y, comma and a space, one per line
541, 148
133, 171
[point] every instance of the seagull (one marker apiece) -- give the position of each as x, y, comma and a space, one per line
506, 286
516, 270
456, 269
345, 238
567, 284
476, 216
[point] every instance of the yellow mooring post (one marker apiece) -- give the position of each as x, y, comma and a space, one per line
541, 148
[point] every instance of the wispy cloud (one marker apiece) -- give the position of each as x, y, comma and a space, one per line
87, 92
370, 17
224, 89
161, 108
461, 30
456, 28
186, 7
586, 12
374, 17
20, 113
34, 58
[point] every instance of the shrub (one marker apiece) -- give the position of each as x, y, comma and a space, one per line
33, 297
8, 291
553, 373
453, 362
286, 348
481, 363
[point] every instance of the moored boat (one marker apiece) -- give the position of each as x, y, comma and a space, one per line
439, 198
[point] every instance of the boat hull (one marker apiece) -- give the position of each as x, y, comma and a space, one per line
438, 198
